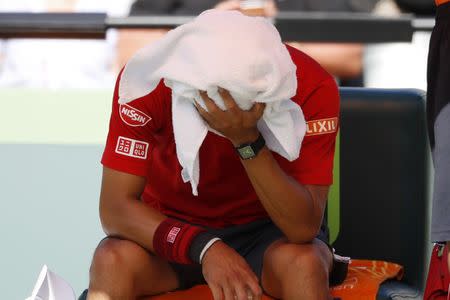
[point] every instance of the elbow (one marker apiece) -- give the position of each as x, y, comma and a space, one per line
108, 218
301, 237
105, 221
106, 226
305, 235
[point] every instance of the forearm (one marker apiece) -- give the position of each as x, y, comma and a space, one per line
289, 204
132, 220
293, 207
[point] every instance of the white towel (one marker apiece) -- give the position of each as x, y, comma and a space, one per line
225, 49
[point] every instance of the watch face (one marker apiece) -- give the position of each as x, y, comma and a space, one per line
246, 152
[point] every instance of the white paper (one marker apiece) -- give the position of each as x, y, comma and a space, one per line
50, 286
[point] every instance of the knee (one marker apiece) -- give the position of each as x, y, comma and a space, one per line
303, 260
290, 269
309, 261
110, 257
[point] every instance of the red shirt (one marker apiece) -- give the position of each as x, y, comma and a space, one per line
141, 142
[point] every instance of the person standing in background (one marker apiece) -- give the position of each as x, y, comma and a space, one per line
438, 113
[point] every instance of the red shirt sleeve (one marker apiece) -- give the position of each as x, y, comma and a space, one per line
131, 132
321, 111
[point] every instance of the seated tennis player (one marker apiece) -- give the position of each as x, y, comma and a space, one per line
217, 167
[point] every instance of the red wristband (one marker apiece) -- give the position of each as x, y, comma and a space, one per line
172, 240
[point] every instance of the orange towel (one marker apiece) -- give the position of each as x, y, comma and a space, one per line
364, 278
362, 283
199, 292
439, 2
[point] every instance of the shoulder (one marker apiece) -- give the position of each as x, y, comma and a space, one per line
154, 106
310, 74
317, 91
160, 91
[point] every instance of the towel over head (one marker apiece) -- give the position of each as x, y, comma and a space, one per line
242, 54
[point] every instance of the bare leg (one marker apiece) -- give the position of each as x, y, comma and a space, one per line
124, 270
292, 271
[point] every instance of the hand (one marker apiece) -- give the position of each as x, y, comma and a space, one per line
228, 275
238, 125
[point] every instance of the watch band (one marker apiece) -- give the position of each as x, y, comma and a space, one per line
250, 150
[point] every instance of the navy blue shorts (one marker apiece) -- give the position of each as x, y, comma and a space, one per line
249, 240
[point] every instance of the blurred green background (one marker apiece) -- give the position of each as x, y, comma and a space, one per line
50, 148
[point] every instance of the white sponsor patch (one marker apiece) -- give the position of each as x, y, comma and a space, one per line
130, 147
323, 126
132, 116
173, 234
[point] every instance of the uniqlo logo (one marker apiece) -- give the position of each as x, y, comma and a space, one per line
133, 148
173, 234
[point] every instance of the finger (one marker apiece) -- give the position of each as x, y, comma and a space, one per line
228, 292
216, 292
228, 100
254, 290
253, 287
199, 108
205, 115
209, 103
258, 109
240, 291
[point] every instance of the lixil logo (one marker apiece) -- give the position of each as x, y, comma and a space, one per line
323, 126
